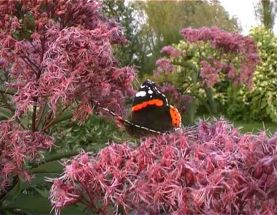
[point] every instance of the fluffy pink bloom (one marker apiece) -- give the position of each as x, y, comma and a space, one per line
57, 56
210, 168
18, 146
63, 194
171, 51
164, 65
228, 42
66, 58
209, 73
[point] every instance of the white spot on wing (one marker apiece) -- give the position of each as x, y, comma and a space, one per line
150, 92
141, 94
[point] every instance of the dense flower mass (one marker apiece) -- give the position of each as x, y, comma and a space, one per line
54, 55
209, 73
18, 146
227, 42
163, 65
60, 51
207, 169
171, 51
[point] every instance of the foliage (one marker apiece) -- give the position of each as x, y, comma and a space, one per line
260, 102
125, 13
148, 33
91, 135
206, 63
210, 168
56, 60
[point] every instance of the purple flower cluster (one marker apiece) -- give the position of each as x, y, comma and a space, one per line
67, 58
226, 42
164, 65
56, 54
16, 147
207, 169
171, 51
210, 72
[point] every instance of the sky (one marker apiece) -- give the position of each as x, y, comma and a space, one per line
245, 12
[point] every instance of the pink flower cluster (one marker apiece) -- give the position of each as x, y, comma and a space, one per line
228, 42
68, 56
210, 72
171, 51
18, 146
164, 65
207, 169
56, 54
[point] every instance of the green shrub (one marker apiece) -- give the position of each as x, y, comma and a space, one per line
212, 66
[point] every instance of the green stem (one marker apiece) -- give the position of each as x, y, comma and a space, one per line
34, 118
54, 157
40, 114
206, 105
57, 120
212, 106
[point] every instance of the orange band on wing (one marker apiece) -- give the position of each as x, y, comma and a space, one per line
175, 117
156, 102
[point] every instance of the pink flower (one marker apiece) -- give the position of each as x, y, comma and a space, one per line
209, 74
63, 194
209, 168
18, 146
67, 57
171, 51
227, 42
164, 65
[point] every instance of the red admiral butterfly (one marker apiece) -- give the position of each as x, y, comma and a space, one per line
151, 112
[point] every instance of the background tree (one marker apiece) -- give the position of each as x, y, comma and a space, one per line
175, 16
266, 12
125, 13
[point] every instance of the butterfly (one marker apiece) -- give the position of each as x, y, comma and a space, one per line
151, 112
151, 109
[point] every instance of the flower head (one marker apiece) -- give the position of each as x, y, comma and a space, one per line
208, 168
171, 51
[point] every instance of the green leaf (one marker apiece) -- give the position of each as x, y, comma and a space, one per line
36, 204
5, 113
38, 180
14, 192
49, 167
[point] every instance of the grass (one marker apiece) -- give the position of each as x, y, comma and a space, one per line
246, 126
256, 127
